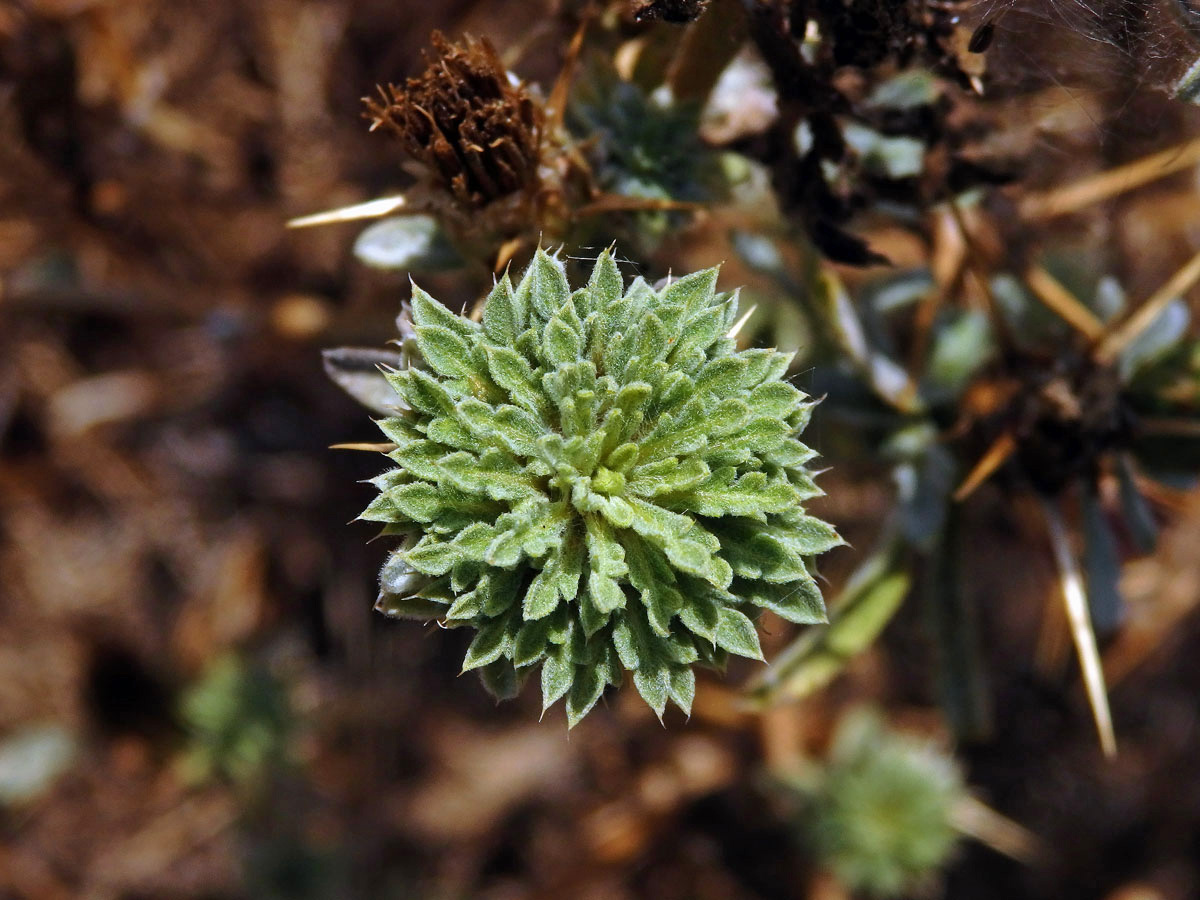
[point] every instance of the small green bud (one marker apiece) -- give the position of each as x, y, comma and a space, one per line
881, 811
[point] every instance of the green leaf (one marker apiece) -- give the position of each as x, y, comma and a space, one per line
586, 689
512, 372
606, 560
678, 538
605, 285
543, 288
614, 509
753, 495
622, 458
810, 536
434, 556
498, 478
492, 642
542, 596
561, 344
427, 312
797, 601
760, 437
421, 391
757, 551
692, 293
467, 606
626, 644
693, 427
670, 475
736, 633
420, 459
650, 574
423, 502
532, 530
590, 616
500, 679
399, 430
531, 642
558, 673
776, 400
396, 606
605, 592
503, 314
508, 426
701, 614
654, 685
683, 688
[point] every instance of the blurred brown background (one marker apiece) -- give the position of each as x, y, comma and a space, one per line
174, 547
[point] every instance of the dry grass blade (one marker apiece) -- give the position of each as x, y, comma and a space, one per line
976, 264
976, 819
1111, 183
741, 323
1057, 298
504, 256
371, 209
366, 448
1081, 627
557, 104
1124, 334
996, 456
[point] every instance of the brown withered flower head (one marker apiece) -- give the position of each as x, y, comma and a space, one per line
476, 138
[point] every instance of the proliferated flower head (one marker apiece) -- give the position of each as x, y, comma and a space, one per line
597, 481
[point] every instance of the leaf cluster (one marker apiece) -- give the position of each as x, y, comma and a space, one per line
881, 810
597, 481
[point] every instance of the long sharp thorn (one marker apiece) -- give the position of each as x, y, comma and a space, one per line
996, 456
1075, 600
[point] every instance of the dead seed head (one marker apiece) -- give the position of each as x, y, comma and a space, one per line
476, 134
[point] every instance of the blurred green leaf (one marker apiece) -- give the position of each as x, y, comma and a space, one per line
1163, 335
1101, 566
952, 622
856, 617
961, 348
1138, 517
238, 721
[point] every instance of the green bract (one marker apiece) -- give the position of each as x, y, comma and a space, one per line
597, 480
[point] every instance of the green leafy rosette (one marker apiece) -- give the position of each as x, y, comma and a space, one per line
597, 481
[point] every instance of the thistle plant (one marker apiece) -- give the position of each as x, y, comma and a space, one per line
596, 481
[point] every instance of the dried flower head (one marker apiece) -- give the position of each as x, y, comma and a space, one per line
474, 133
597, 481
